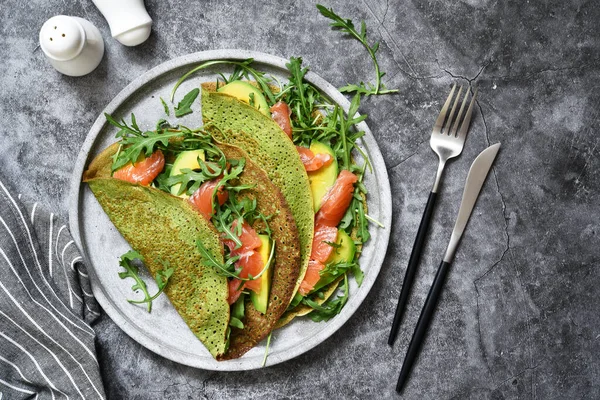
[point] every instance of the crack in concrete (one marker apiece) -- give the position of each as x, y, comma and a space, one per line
517, 375
414, 75
480, 71
507, 250
387, 7
381, 26
455, 76
506, 232
485, 130
204, 383
407, 158
191, 389
416, 78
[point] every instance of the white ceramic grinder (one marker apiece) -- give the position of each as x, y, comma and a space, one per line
128, 20
72, 45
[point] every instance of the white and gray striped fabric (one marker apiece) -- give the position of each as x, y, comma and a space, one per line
46, 308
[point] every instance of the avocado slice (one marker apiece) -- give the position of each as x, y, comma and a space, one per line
261, 299
185, 159
344, 253
245, 92
322, 179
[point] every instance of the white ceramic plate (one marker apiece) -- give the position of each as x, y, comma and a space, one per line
163, 331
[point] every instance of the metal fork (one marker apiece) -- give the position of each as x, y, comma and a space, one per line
447, 141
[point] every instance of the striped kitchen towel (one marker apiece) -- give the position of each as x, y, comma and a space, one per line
46, 308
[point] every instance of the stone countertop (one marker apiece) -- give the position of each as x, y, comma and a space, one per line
519, 315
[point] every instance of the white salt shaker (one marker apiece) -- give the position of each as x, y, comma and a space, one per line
129, 21
72, 45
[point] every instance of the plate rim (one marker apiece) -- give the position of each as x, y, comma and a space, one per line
76, 189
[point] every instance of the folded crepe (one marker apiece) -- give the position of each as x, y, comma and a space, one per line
230, 121
164, 228
269, 201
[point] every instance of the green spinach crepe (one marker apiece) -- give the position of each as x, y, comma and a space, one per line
231, 121
164, 228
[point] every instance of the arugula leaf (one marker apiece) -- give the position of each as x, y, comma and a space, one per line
336, 269
133, 146
163, 124
359, 215
133, 142
243, 68
184, 106
207, 172
359, 276
132, 271
303, 106
165, 106
124, 129
331, 307
224, 269
346, 26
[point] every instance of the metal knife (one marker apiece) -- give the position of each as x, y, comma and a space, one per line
475, 179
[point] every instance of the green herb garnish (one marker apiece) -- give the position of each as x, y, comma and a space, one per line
346, 25
132, 271
165, 106
264, 361
242, 69
330, 308
185, 105
134, 142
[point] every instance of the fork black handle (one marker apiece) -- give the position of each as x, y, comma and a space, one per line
413, 262
423, 324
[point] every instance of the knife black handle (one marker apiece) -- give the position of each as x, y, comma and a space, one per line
413, 262
423, 324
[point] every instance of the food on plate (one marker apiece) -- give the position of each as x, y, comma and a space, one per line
141, 212
164, 230
259, 214
246, 93
323, 178
230, 121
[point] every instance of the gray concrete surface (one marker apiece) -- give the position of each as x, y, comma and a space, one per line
519, 316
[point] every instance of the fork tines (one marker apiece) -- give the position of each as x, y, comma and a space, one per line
448, 123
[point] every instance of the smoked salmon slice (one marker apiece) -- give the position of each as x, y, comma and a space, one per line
250, 260
249, 238
312, 161
280, 113
321, 249
311, 278
336, 201
235, 290
144, 171
202, 199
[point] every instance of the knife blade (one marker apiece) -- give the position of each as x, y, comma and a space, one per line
475, 179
